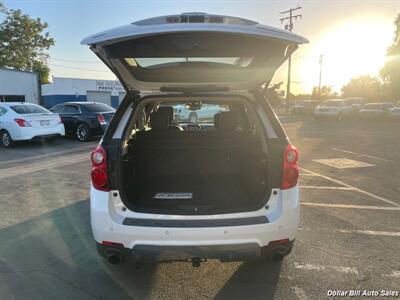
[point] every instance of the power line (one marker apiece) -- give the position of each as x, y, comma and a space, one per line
76, 68
289, 27
77, 61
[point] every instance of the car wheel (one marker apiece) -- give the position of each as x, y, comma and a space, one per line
83, 133
6, 139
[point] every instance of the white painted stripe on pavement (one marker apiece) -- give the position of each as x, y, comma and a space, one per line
299, 292
339, 269
39, 156
342, 188
366, 155
41, 166
372, 232
333, 205
355, 188
394, 274
366, 232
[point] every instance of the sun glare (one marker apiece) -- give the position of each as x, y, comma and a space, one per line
351, 48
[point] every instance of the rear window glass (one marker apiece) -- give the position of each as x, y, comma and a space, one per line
29, 109
242, 62
98, 107
187, 113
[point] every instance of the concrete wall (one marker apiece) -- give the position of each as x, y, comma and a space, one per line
14, 82
75, 89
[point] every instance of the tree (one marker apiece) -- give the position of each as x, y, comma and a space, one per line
325, 93
391, 70
365, 86
23, 44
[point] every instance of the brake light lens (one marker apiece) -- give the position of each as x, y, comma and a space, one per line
99, 169
101, 119
23, 123
290, 172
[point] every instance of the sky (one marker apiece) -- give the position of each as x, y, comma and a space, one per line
351, 35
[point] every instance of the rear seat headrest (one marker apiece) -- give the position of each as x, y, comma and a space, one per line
159, 121
226, 120
167, 110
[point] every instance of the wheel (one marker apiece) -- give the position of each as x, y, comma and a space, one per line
83, 132
193, 117
6, 139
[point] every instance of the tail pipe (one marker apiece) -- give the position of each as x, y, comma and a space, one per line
114, 257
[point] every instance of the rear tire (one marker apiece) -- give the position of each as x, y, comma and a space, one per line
83, 133
6, 139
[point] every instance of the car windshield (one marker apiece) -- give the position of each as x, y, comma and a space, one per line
29, 109
98, 107
197, 113
332, 103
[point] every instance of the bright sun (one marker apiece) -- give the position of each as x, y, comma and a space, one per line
351, 48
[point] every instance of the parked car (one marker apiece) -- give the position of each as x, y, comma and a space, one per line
333, 109
230, 193
183, 114
304, 107
395, 112
356, 102
84, 119
376, 111
20, 121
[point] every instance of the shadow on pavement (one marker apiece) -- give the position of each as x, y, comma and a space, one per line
54, 256
253, 280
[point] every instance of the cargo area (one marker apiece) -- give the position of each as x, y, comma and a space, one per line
218, 168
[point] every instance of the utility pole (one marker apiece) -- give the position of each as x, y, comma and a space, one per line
321, 57
289, 27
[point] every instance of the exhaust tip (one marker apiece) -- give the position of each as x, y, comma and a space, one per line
277, 257
114, 258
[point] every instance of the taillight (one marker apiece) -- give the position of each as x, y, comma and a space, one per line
23, 123
101, 119
290, 172
99, 169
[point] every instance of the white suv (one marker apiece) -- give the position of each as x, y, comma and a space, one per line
163, 191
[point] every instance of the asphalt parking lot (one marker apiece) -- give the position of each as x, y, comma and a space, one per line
349, 237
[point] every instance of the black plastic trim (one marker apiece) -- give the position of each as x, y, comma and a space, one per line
195, 223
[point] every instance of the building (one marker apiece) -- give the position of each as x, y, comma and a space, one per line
62, 89
18, 85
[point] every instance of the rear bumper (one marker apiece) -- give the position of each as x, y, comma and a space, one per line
235, 240
29, 133
232, 252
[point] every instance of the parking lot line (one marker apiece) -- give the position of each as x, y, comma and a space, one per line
339, 269
333, 205
355, 188
366, 155
394, 274
83, 148
40, 166
342, 188
363, 232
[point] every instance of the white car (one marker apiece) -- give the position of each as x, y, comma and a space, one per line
229, 192
21, 121
333, 109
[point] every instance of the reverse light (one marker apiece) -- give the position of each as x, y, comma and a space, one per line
290, 170
23, 123
99, 169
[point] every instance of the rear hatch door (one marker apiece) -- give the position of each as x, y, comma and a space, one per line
194, 51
